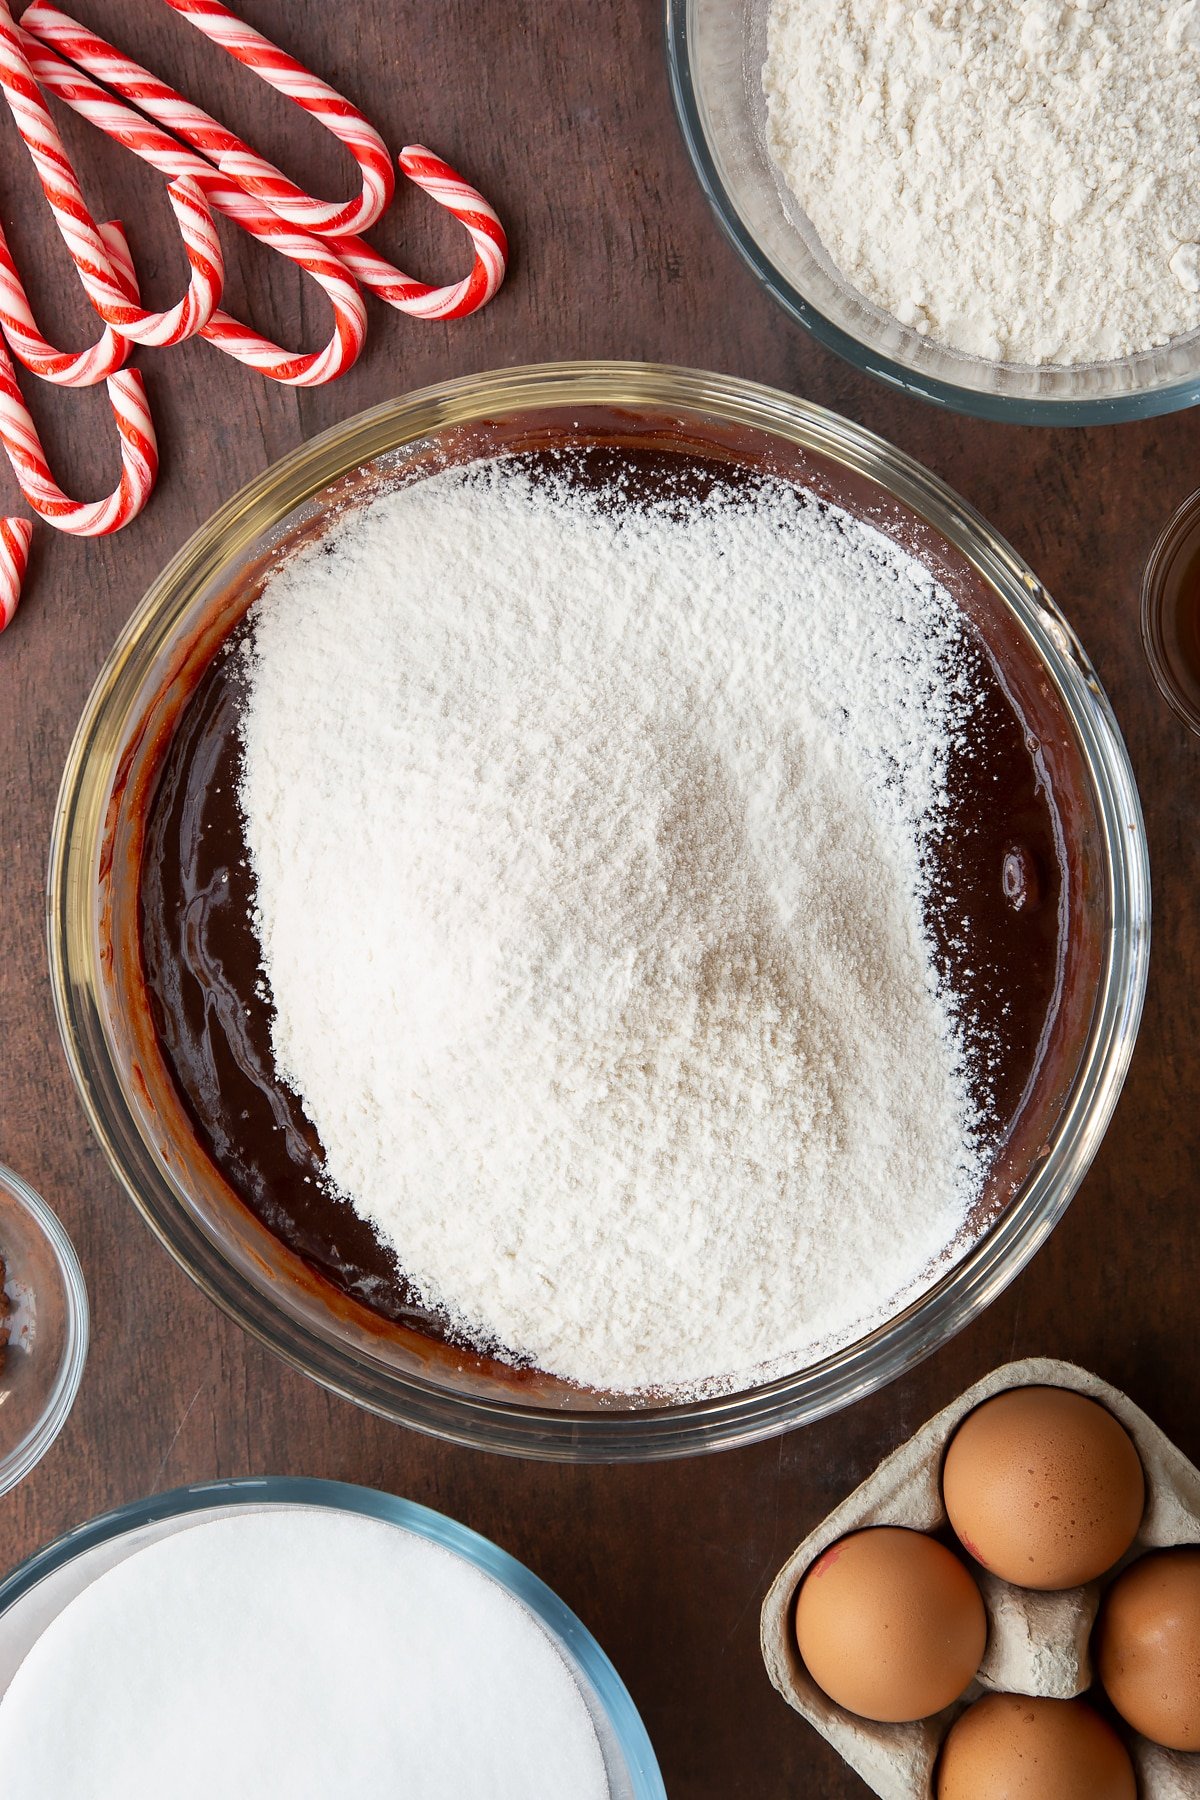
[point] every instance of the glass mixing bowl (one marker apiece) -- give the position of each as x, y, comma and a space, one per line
39, 1589
47, 1329
95, 858
715, 54
1170, 621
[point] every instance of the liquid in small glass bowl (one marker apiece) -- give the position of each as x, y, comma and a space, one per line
47, 1327
1171, 612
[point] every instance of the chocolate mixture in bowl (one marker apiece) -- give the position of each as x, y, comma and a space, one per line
997, 907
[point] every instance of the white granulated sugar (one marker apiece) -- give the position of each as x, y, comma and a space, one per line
297, 1654
590, 845
1019, 179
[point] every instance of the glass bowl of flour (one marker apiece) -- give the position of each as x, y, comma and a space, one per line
181, 1627
599, 911
990, 206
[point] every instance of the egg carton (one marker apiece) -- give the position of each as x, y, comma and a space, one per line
1038, 1643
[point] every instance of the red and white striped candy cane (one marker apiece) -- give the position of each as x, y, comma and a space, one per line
472, 211
254, 173
222, 147
16, 535
82, 47
139, 457
65, 368
121, 257
79, 230
171, 158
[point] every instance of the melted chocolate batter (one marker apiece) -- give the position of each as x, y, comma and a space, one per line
997, 918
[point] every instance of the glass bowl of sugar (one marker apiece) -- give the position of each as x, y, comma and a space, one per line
628, 1085
922, 194
44, 1328
181, 1628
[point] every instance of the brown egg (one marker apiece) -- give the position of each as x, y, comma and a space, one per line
1043, 1487
1008, 1747
890, 1624
1148, 1647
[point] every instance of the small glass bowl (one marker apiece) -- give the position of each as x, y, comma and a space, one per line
33, 1595
1162, 597
95, 859
47, 1326
715, 55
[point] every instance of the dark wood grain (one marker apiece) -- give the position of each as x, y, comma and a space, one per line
561, 114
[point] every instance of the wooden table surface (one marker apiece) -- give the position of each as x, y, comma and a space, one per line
561, 114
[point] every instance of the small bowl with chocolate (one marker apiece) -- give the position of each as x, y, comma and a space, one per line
1171, 612
599, 910
43, 1328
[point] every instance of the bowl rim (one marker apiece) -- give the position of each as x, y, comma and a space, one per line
682, 1428
955, 397
25, 1455
567, 1630
1180, 530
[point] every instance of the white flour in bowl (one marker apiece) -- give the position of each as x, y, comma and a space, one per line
1019, 179
590, 845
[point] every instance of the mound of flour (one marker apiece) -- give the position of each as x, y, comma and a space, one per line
590, 841
1020, 179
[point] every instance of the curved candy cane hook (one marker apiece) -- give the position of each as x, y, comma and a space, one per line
65, 368
139, 457
16, 535
171, 158
253, 172
79, 230
472, 211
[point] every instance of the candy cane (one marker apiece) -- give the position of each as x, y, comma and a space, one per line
121, 258
83, 48
171, 158
139, 457
323, 103
64, 368
234, 158
79, 230
472, 211
16, 535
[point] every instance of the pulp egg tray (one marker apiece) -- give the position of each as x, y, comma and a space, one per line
1037, 1642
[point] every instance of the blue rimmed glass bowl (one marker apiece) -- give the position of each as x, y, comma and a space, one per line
39, 1589
715, 54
